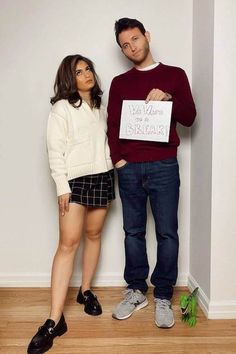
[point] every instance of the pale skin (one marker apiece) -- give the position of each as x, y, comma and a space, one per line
135, 46
76, 220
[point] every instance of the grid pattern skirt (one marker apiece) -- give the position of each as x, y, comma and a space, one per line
96, 190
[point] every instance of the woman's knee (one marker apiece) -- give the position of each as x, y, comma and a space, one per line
93, 235
68, 246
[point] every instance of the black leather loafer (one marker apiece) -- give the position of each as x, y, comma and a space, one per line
90, 301
43, 339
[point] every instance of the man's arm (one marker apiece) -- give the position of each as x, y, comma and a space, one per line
183, 110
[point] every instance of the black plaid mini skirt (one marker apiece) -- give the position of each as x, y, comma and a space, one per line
96, 190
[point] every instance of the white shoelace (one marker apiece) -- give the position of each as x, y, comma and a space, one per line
162, 304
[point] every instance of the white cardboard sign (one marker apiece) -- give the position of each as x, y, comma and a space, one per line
145, 121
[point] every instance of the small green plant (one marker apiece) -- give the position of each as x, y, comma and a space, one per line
188, 306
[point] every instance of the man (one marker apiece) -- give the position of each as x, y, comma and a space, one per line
148, 169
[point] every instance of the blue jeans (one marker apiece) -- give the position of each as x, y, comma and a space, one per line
158, 180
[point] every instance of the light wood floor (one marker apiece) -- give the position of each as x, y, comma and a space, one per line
22, 310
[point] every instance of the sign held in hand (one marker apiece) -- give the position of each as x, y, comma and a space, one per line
145, 121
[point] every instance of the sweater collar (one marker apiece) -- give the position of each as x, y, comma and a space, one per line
158, 67
149, 67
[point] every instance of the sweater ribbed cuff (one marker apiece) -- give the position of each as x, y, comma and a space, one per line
62, 185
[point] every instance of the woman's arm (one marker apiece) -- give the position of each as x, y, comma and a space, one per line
56, 144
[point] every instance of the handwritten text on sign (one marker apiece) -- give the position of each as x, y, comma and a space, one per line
145, 121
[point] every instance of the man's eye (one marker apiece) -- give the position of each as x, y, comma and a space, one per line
125, 46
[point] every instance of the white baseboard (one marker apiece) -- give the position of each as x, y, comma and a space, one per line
222, 310
182, 279
213, 309
203, 300
43, 279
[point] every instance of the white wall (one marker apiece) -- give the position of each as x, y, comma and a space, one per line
213, 172
35, 36
201, 145
224, 147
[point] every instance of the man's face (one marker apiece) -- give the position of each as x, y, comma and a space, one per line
134, 44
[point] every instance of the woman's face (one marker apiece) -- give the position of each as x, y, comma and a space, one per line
84, 77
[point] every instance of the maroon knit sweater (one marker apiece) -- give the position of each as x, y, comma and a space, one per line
135, 85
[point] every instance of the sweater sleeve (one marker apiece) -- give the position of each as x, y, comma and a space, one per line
113, 121
184, 110
56, 144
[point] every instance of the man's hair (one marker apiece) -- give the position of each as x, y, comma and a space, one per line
125, 23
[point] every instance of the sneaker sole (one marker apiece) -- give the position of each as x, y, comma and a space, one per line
164, 326
139, 307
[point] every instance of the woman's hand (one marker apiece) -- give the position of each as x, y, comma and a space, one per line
63, 202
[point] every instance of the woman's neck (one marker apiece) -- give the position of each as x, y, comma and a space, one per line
86, 96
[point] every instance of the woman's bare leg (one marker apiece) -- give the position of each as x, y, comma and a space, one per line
71, 228
94, 222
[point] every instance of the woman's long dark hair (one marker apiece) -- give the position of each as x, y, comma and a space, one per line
65, 83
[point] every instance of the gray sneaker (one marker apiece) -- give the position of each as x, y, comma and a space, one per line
134, 300
164, 317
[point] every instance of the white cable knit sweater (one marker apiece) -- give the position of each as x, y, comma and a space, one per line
77, 143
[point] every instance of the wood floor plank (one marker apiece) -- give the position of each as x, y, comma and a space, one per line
22, 310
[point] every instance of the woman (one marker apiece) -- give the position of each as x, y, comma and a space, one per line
81, 167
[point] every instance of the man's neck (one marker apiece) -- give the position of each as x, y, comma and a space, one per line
147, 62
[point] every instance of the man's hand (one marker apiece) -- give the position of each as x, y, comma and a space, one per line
63, 202
158, 95
120, 163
